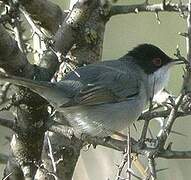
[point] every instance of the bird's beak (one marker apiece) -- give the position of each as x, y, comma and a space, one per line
176, 61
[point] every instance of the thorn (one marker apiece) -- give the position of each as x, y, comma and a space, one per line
167, 104
157, 17
94, 146
136, 10
87, 147
107, 138
151, 163
182, 14
178, 133
164, 4
169, 147
117, 165
183, 34
169, 2
146, 2
135, 127
162, 169
150, 132
172, 100
184, 71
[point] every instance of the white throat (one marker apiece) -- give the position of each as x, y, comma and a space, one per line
158, 80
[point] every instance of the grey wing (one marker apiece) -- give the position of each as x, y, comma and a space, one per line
109, 87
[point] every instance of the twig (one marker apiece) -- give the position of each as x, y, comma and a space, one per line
46, 171
121, 166
122, 9
18, 29
171, 154
34, 27
157, 17
151, 164
4, 91
129, 154
120, 145
134, 175
144, 132
7, 176
165, 113
163, 134
61, 129
51, 153
188, 39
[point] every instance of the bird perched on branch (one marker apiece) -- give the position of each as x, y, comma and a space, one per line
107, 96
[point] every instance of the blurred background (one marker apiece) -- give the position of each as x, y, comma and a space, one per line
123, 32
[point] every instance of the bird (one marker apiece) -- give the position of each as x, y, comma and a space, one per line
102, 98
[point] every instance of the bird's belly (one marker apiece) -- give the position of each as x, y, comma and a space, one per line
103, 120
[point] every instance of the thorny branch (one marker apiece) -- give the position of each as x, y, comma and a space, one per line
121, 145
65, 38
145, 7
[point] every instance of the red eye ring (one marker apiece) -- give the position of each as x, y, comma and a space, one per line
157, 61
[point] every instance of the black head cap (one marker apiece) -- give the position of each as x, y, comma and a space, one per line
149, 57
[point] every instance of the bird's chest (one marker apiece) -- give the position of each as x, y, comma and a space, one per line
103, 120
157, 82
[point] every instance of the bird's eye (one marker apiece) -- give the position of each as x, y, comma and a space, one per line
157, 61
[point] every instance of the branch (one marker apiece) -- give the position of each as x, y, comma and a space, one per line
4, 92
12, 59
122, 9
13, 170
152, 167
147, 116
165, 131
188, 39
46, 13
58, 128
121, 145
17, 26
67, 34
26, 147
69, 132
169, 154
31, 115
